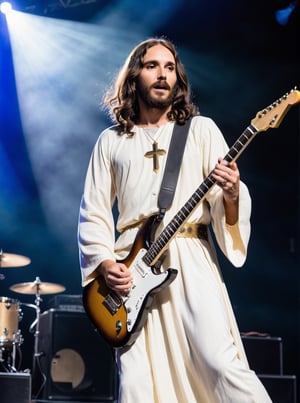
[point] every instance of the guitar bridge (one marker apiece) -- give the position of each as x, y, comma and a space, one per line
112, 302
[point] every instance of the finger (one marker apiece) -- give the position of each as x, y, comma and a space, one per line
220, 177
226, 166
115, 285
124, 289
221, 161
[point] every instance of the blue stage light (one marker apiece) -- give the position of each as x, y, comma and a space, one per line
282, 16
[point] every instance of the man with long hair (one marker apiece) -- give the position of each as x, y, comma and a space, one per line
189, 349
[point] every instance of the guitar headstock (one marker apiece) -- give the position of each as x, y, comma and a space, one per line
272, 116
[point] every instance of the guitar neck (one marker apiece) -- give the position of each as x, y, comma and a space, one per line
159, 246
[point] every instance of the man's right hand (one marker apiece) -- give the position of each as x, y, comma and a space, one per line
117, 276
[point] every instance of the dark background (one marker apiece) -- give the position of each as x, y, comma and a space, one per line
239, 60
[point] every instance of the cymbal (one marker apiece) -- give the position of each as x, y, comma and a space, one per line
12, 260
37, 287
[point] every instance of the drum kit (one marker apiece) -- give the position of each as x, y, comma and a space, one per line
11, 312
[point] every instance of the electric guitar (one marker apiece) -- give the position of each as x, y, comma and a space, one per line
119, 319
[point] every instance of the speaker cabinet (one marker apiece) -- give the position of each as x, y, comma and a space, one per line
281, 388
264, 354
15, 387
74, 363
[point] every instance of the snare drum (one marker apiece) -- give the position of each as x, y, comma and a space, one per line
9, 322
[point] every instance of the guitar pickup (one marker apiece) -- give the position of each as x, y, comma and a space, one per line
139, 265
112, 302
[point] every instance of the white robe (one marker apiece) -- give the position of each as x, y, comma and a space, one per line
189, 349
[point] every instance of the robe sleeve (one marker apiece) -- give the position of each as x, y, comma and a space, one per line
96, 237
232, 239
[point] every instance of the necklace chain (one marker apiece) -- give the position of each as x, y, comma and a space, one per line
151, 132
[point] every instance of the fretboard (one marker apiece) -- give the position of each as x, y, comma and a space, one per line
159, 246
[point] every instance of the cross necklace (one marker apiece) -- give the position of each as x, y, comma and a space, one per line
156, 152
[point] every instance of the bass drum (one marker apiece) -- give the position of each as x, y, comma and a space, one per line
10, 334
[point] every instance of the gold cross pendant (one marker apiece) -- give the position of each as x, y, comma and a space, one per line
155, 153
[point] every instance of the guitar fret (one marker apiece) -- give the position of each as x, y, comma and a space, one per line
169, 231
180, 216
252, 129
211, 179
207, 186
178, 220
185, 210
235, 149
160, 245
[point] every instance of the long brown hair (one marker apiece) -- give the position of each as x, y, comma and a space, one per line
121, 100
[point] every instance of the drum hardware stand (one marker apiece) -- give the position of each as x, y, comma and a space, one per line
12, 366
36, 353
8, 362
38, 288
3, 360
17, 341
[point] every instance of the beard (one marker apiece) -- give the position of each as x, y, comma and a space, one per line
152, 102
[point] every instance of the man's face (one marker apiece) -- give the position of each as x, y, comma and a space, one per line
157, 79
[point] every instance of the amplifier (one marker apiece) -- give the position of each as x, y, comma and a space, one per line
264, 354
15, 387
67, 303
76, 363
281, 388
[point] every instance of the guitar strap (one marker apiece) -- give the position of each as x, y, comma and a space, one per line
169, 182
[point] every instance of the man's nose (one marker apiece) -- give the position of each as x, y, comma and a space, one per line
161, 74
